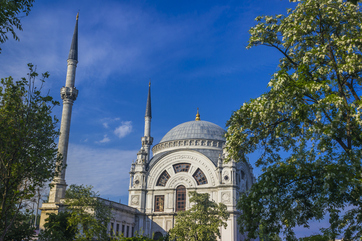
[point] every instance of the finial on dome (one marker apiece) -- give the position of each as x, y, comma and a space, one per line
197, 115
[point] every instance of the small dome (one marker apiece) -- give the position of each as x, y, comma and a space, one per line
195, 130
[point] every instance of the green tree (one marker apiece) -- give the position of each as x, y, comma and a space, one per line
316, 237
308, 126
202, 221
137, 237
88, 212
57, 228
28, 152
9, 17
267, 237
353, 1
22, 229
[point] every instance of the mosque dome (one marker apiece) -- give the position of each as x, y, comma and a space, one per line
195, 130
201, 136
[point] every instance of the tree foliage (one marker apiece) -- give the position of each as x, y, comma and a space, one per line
57, 228
86, 217
353, 1
202, 221
137, 237
308, 126
23, 228
28, 151
88, 212
9, 17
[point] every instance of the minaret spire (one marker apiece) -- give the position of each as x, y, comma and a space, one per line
69, 94
147, 140
148, 105
73, 52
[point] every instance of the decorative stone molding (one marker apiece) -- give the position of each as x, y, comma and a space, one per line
225, 197
137, 182
226, 177
69, 93
72, 62
181, 180
165, 163
197, 143
135, 200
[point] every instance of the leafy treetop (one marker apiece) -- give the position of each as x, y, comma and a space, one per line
202, 221
28, 152
308, 126
9, 17
87, 212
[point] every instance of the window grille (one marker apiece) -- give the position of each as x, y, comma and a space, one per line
159, 203
180, 198
181, 167
163, 179
200, 177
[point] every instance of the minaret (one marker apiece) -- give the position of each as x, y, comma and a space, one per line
69, 94
138, 174
147, 140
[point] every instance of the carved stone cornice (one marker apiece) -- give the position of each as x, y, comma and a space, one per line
69, 93
197, 143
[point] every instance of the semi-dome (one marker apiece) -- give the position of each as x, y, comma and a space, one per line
195, 130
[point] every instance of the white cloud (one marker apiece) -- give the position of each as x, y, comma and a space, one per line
104, 140
124, 129
107, 121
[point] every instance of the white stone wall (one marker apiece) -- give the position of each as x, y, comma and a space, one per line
123, 218
224, 184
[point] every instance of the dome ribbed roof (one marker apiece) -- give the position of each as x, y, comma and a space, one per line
195, 130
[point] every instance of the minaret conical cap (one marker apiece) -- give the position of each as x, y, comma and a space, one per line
148, 105
73, 52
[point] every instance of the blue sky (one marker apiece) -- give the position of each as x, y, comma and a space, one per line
193, 52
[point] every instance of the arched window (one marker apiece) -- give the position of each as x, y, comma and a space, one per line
200, 177
180, 198
158, 236
181, 167
242, 175
163, 179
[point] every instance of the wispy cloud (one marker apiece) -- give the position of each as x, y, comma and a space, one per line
107, 121
124, 129
103, 168
104, 140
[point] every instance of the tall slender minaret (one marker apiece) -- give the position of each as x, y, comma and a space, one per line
69, 94
147, 140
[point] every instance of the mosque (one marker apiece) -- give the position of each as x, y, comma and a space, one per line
190, 157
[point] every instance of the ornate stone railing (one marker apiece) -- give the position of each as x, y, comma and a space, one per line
197, 143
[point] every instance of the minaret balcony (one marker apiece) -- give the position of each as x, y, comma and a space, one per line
147, 140
69, 93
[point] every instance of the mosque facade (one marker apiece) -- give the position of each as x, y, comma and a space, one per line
190, 157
